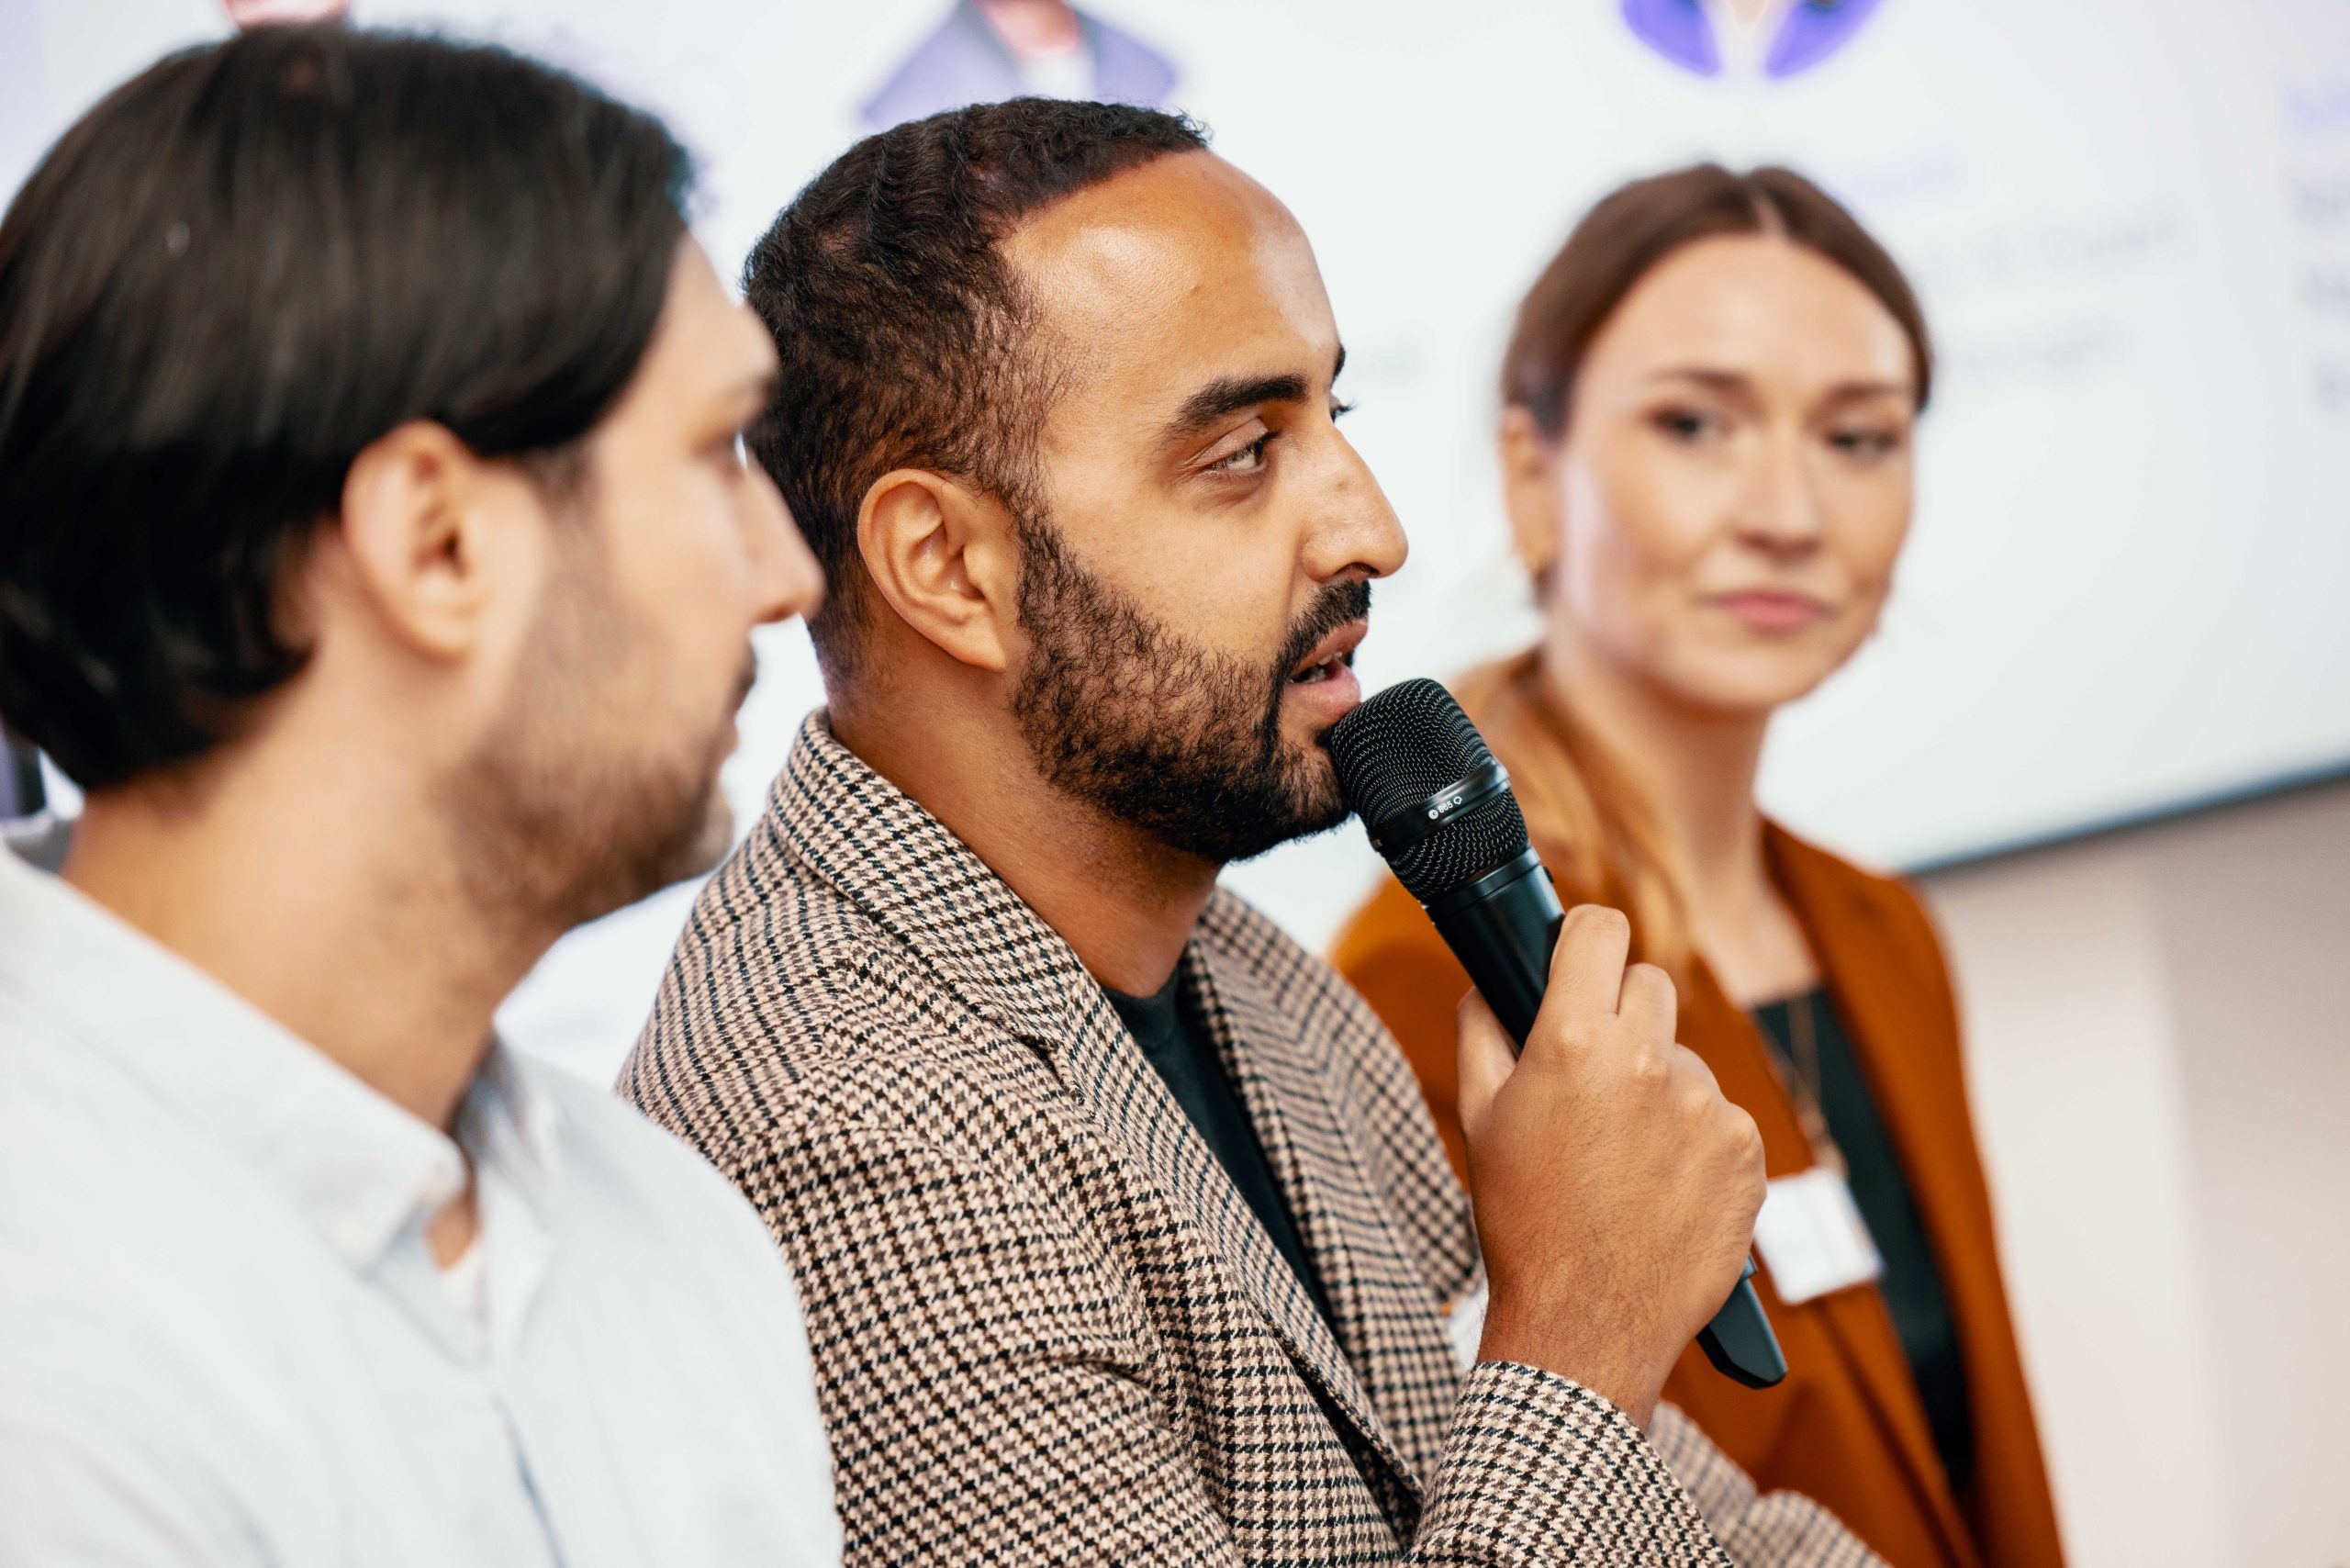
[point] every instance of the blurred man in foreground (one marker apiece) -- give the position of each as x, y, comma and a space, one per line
380, 558
1123, 1232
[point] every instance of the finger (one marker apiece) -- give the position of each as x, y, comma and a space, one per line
1649, 1003
1587, 966
1486, 1061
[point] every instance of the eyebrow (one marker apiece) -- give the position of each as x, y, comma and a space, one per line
1230, 394
1734, 381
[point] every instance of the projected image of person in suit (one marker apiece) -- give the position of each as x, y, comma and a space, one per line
1710, 410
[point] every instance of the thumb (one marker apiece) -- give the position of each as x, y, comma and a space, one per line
1486, 1061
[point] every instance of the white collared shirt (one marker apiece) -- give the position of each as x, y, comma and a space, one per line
223, 1339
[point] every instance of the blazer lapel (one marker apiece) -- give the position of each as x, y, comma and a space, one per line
986, 946
1105, 1066
1386, 1317
1852, 955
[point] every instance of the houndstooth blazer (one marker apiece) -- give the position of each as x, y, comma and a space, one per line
1046, 1327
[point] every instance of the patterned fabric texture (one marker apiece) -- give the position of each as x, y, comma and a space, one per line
1045, 1327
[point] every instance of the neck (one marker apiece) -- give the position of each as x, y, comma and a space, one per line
1694, 767
306, 888
1125, 902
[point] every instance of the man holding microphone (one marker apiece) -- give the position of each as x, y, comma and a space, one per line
1121, 1231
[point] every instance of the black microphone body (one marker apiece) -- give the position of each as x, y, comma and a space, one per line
1502, 928
1460, 847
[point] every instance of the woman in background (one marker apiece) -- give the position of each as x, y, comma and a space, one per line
1705, 444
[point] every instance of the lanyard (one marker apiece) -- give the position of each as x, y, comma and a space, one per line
1796, 1063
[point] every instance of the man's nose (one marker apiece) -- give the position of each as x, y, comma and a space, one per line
1358, 532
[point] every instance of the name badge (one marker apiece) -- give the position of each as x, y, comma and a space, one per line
1812, 1238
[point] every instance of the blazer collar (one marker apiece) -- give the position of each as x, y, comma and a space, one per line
928, 888
915, 878
1865, 968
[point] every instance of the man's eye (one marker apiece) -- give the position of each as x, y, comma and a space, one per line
1248, 460
1340, 410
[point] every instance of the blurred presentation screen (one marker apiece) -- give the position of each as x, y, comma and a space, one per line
2130, 221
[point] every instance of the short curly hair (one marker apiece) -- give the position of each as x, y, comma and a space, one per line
905, 339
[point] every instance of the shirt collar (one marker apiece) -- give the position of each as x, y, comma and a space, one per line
510, 1126
360, 1169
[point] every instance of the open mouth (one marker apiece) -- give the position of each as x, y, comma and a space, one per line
1331, 658
1315, 675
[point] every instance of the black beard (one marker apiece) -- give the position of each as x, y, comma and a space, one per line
1169, 738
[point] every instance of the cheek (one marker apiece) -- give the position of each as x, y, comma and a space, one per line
1218, 585
694, 532
684, 582
1872, 526
1629, 538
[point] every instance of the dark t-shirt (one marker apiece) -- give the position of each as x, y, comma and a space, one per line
1912, 1284
1179, 1047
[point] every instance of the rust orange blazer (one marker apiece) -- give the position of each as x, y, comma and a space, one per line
1847, 1426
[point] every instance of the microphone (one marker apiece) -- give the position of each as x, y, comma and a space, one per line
1438, 808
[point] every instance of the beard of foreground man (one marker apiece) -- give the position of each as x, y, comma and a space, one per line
1121, 1229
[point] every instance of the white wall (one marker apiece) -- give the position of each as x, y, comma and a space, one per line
2159, 1030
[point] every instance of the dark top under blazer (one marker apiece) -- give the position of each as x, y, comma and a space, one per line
1175, 1040
1045, 1327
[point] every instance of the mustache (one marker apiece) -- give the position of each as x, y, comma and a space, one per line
1335, 606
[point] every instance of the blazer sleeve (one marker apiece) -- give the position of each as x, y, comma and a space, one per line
988, 1387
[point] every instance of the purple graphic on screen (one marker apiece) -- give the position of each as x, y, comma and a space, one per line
1684, 32
1813, 30
1678, 30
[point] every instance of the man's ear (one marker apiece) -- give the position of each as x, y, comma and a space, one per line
946, 559
1530, 491
416, 522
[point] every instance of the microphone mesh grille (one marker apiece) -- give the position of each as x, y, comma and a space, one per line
1400, 746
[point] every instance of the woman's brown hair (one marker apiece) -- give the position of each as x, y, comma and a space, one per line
1614, 848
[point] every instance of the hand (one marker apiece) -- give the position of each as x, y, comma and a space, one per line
1615, 1188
